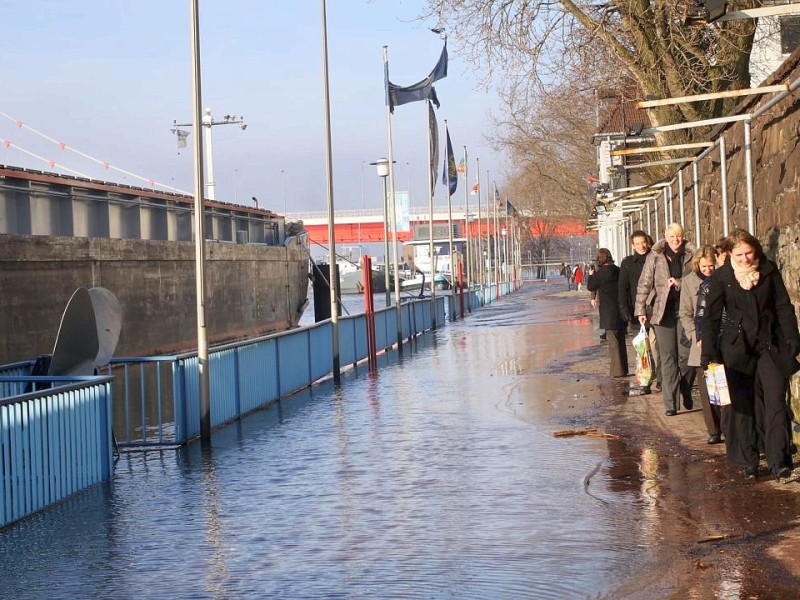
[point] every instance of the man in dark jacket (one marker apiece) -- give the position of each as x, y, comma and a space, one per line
629, 272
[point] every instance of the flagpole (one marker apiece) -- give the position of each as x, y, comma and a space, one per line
479, 258
203, 371
513, 251
449, 209
505, 246
495, 224
467, 236
332, 270
488, 239
391, 195
431, 255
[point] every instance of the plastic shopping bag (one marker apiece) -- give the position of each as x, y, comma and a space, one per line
717, 385
644, 358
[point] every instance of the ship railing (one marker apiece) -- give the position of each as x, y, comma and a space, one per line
158, 397
54, 441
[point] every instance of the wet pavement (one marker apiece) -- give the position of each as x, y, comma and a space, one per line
437, 477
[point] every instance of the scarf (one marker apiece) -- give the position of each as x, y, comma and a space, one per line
675, 260
746, 276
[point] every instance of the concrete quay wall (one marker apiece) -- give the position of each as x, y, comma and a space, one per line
251, 289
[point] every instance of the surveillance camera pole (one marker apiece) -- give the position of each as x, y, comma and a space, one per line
207, 123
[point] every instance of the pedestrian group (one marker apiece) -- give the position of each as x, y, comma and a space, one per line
725, 304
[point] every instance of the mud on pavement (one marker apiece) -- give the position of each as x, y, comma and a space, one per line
714, 535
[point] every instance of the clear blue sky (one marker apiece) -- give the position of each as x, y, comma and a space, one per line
108, 78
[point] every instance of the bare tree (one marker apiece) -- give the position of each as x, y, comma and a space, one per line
533, 40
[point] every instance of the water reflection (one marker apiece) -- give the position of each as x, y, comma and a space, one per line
436, 477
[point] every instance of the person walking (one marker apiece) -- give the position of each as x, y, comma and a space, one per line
566, 271
630, 269
758, 344
703, 265
659, 287
605, 281
578, 276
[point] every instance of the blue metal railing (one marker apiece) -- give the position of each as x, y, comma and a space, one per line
53, 442
159, 395
58, 440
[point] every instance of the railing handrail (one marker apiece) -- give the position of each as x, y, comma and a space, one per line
77, 382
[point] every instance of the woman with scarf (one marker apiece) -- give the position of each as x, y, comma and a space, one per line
758, 343
703, 265
659, 288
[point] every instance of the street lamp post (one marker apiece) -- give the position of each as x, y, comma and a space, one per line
207, 123
283, 187
382, 166
363, 208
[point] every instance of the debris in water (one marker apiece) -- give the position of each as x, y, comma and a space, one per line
573, 432
717, 538
700, 565
588, 432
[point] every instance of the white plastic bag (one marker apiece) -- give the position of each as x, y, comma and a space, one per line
644, 358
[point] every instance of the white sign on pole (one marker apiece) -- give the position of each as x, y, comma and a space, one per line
402, 205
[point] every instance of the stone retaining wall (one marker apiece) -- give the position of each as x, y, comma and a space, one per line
251, 289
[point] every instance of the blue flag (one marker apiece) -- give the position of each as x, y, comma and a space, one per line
422, 90
449, 173
434, 149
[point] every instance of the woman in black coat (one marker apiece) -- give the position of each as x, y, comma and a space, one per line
605, 281
757, 342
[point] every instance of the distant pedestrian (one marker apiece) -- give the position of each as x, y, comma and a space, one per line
577, 275
605, 281
567, 273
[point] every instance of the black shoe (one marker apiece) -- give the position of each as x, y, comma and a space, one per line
750, 473
688, 403
780, 472
714, 439
671, 413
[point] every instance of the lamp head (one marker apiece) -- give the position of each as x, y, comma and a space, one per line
382, 166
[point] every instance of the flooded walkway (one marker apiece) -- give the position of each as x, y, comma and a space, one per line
437, 477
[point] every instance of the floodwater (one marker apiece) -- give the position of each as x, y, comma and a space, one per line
437, 477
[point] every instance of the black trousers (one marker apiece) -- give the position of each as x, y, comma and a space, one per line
711, 412
758, 407
617, 352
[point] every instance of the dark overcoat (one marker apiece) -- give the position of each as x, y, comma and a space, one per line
758, 320
605, 281
630, 269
